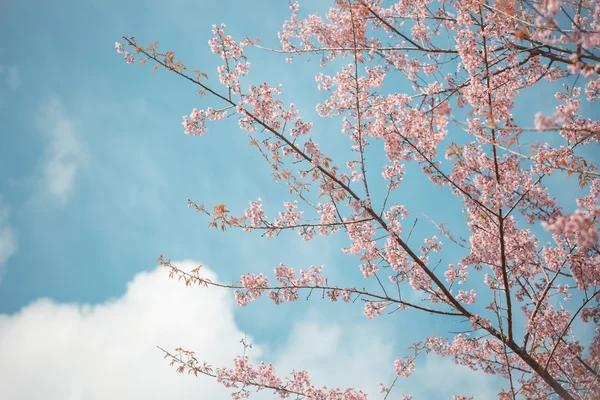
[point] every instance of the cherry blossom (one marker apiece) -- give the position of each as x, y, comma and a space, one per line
527, 271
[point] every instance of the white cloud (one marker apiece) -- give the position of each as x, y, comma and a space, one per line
65, 152
71, 351
68, 351
14, 77
336, 355
361, 356
8, 238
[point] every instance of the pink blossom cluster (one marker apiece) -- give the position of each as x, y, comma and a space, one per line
312, 149
592, 88
337, 33
195, 124
543, 123
590, 202
225, 46
581, 224
368, 270
287, 276
289, 218
300, 128
431, 244
394, 173
336, 294
404, 367
396, 256
393, 216
564, 289
456, 272
255, 214
473, 352
263, 106
419, 280
244, 376
374, 309
289, 285
255, 287
466, 297
360, 233
232, 53
328, 218
583, 267
549, 322
128, 57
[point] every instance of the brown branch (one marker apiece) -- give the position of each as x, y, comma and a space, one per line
449, 298
568, 327
201, 281
191, 366
358, 110
497, 172
439, 171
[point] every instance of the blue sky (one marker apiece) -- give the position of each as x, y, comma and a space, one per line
94, 175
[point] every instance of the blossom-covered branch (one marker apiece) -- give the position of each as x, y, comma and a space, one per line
464, 63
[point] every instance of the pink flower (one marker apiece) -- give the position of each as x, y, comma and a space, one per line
373, 309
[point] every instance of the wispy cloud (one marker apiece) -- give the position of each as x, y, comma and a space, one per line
8, 237
331, 351
65, 153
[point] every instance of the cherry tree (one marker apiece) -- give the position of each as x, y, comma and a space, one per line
465, 62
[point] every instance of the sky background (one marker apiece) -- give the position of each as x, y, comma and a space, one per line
94, 175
